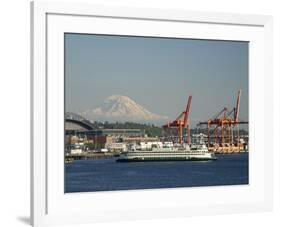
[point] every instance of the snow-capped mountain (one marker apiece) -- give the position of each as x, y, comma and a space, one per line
122, 108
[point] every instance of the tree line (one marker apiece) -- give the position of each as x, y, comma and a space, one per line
149, 129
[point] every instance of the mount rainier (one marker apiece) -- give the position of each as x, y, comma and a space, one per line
122, 108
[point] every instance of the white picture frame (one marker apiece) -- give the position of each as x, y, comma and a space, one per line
49, 21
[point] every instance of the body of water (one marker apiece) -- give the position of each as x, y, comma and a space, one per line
109, 175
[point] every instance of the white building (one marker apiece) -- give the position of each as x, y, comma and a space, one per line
116, 147
76, 148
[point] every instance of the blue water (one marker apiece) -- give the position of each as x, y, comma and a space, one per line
109, 175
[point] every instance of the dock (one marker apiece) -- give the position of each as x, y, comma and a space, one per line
89, 156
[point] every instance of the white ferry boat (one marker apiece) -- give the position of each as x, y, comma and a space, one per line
196, 152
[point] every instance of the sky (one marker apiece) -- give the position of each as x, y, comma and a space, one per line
157, 73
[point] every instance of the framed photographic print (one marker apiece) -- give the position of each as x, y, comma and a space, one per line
148, 113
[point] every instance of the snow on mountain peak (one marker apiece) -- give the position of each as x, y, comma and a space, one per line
121, 108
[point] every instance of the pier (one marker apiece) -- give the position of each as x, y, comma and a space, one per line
89, 156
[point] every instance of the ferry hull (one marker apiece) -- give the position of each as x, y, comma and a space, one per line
162, 159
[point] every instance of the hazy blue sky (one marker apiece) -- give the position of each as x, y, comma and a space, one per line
157, 73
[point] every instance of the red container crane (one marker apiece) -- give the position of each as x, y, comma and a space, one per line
221, 127
182, 122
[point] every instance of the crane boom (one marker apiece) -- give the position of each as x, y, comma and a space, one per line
237, 106
186, 115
